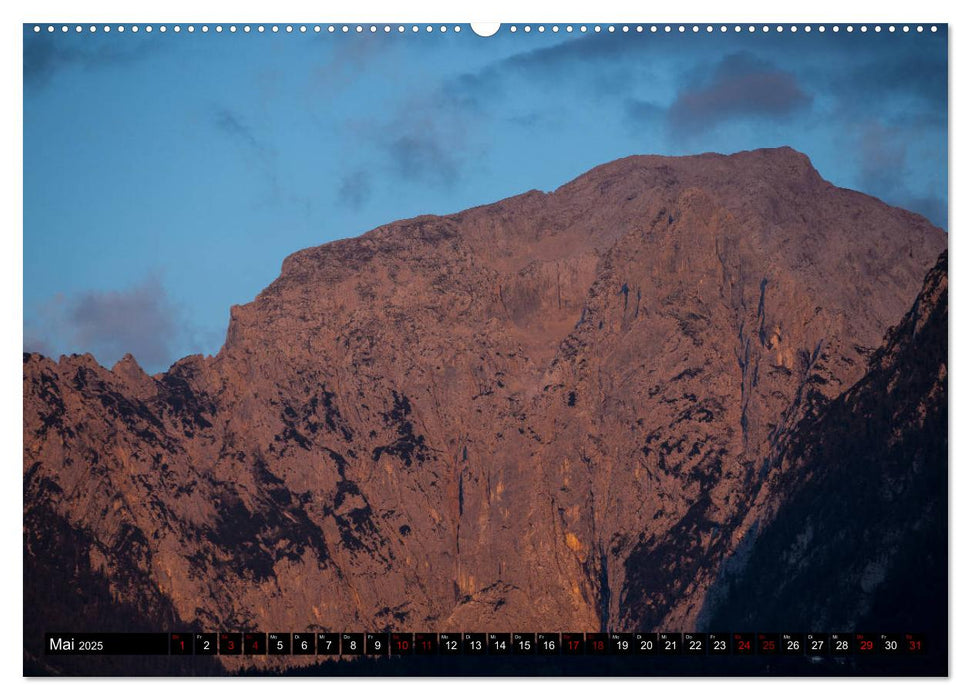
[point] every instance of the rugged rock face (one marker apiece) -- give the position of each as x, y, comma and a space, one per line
559, 411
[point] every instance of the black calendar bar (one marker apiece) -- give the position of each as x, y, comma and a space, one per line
356, 644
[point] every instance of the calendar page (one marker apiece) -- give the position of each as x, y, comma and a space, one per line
441, 349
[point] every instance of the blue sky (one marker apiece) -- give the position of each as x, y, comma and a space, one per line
166, 176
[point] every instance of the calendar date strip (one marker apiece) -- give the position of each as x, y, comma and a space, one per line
353, 644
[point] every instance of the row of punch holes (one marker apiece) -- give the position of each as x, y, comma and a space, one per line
414, 28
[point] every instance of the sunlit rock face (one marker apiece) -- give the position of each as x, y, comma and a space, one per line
564, 410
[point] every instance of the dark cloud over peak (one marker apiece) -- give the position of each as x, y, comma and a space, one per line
741, 86
141, 320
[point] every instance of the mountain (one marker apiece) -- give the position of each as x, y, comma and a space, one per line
568, 410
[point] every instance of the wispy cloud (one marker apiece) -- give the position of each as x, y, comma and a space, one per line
586, 61
888, 74
232, 124
423, 157
883, 154
422, 140
260, 152
355, 189
47, 54
641, 113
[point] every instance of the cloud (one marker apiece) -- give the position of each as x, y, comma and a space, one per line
883, 169
231, 124
260, 152
141, 320
586, 60
741, 86
882, 158
934, 209
641, 113
423, 140
355, 189
591, 47
349, 59
45, 55
891, 70
423, 157
34, 343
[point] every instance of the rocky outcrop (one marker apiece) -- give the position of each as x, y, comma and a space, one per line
562, 410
